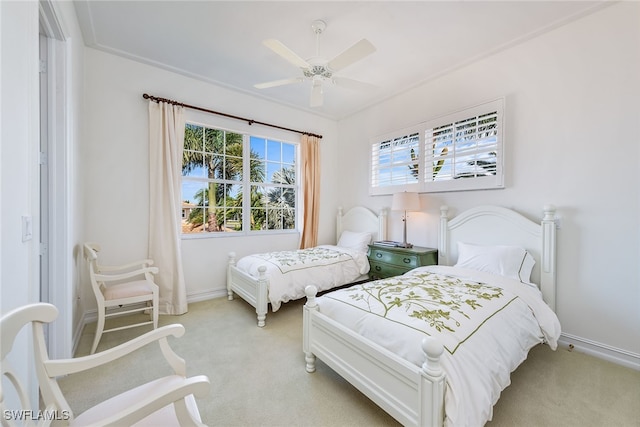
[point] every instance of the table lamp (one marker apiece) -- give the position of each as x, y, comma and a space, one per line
405, 201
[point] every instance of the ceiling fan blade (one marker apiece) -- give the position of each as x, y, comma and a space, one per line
286, 53
353, 84
316, 94
275, 83
352, 54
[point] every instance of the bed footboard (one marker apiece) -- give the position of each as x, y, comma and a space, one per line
414, 396
252, 290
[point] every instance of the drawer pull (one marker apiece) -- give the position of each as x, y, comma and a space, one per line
407, 260
378, 254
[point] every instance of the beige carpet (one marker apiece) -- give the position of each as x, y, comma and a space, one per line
258, 377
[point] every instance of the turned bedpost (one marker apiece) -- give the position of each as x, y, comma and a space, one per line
432, 384
311, 304
262, 304
443, 245
231, 263
548, 268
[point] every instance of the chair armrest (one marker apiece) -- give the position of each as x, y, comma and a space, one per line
141, 264
60, 367
50, 409
127, 275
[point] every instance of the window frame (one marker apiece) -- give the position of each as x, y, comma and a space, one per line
426, 163
246, 183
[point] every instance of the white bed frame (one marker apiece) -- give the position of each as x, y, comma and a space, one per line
255, 290
415, 396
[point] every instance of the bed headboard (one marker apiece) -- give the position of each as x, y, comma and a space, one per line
361, 219
494, 225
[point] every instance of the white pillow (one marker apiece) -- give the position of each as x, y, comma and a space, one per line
527, 268
509, 261
354, 240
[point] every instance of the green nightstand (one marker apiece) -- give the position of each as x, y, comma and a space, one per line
387, 261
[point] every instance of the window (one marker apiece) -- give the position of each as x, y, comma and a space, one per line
273, 185
460, 151
395, 161
220, 167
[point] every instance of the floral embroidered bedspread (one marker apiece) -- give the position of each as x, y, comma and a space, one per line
287, 261
289, 272
448, 307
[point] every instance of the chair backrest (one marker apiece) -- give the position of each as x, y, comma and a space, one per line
10, 326
91, 255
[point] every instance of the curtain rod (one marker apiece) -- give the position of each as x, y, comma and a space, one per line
249, 121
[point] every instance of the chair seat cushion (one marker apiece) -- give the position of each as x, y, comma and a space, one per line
129, 289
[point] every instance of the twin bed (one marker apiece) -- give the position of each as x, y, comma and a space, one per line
436, 346
277, 277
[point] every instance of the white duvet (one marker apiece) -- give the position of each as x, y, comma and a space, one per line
289, 272
486, 334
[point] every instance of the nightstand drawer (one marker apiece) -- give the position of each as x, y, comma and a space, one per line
382, 270
398, 259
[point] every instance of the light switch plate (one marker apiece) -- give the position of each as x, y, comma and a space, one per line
27, 228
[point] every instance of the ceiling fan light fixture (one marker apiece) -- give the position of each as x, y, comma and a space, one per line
317, 93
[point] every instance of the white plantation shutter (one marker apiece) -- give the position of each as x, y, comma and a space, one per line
463, 151
395, 163
459, 151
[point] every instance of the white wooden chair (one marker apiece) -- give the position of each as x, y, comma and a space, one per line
118, 286
168, 400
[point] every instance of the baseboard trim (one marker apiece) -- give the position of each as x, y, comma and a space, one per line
206, 295
79, 328
601, 351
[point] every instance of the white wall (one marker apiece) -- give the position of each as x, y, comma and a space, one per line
19, 131
114, 170
19, 167
572, 140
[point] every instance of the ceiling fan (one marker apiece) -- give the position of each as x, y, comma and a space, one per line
319, 69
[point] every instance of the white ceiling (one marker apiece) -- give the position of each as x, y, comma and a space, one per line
221, 41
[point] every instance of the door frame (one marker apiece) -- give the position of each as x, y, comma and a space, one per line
59, 253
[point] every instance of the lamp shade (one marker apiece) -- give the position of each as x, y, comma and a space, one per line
405, 201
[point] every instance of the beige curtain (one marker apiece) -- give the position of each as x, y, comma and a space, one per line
166, 139
310, 154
